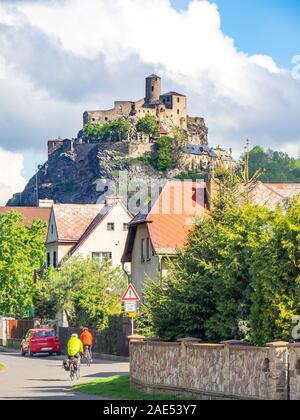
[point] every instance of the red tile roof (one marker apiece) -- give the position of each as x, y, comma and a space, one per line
73, 220
29, 214
173, 215
273, 195
170, 217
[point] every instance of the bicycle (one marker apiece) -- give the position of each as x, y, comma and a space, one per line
74, 368
87, 356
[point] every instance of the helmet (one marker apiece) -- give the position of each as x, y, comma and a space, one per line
75, 335
85, 329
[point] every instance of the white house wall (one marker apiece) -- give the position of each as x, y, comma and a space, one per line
141, 271
102, 240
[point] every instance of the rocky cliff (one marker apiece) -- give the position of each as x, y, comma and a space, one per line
81, 176
81, 173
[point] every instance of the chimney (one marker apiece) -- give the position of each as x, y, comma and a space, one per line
112, 199
46, 204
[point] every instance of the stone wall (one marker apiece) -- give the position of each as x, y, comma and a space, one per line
205, 371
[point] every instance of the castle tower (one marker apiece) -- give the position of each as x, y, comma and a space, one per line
153, 88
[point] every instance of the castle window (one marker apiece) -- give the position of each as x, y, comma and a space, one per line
178, 100
106, 119
93, 119
152, 88
161, 110
178, 111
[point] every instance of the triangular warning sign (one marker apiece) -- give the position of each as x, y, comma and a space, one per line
130, 295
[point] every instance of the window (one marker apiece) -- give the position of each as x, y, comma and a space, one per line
102, 256
110, 227
152, 88
125, 227
52, 229
142, 250
178, 100
178, 111
48, 259
148, 250
54, 259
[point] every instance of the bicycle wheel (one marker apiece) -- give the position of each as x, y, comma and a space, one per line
72, 372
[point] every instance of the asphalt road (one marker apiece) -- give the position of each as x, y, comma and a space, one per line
43, 378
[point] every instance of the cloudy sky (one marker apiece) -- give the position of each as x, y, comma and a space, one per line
237, 60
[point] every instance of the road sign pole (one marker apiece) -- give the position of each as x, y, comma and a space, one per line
132, 326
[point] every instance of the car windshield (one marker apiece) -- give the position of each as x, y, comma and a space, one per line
44, 334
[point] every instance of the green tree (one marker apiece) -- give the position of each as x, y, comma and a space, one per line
88, 291
148, 125
164, 156
117, 130
277, 166
22, 250
275, 268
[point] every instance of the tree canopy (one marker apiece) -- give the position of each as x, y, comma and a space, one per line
22, 250
117, 130
88, 291
277, 166
148, 125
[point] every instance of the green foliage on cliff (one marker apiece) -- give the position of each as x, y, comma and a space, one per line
164, 159
148, 125
117, 130
22, 250
88, 291
239, 277
278, 166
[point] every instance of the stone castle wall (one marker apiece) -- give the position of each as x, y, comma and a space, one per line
224, 371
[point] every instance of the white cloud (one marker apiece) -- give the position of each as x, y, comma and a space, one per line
11, 178
65, 56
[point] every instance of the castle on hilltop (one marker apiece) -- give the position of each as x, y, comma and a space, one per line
169, 109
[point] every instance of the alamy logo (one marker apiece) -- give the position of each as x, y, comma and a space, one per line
296, 68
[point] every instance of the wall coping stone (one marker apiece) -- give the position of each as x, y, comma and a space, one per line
278, 344
236, 343
189, 340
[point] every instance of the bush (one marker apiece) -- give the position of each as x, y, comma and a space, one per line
148, 126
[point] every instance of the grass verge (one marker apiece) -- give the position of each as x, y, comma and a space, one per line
117, 387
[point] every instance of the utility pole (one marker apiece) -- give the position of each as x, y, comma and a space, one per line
36, 185
246, 172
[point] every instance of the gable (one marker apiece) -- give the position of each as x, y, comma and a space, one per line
52, 229
97, 237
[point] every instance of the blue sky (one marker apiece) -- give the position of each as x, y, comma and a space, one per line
261, 26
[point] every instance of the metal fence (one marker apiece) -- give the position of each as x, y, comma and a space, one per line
17, 328
111, 341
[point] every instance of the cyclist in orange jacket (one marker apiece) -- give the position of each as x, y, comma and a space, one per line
87, 339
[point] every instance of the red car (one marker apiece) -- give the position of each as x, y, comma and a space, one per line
41, 341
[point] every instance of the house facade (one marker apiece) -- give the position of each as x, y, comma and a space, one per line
162, 228
96, 231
